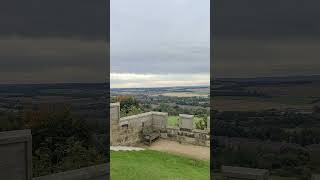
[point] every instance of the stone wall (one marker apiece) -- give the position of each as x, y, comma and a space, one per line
16, 161
127, 130
16, 155
195, 136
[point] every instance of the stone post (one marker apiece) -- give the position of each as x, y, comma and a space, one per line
16, 155
208, 123
114, 123
159, 120
186, 121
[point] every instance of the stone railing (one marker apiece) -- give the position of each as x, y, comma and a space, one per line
127, 130
16, 161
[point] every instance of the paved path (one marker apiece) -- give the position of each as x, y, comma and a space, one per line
197, 152
125, 148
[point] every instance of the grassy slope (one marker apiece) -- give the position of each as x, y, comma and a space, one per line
146, 165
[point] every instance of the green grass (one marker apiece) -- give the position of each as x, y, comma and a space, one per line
173, 120
154, 165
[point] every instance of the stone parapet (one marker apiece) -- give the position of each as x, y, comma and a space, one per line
16, 155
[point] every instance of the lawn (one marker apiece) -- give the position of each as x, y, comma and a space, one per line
154, 165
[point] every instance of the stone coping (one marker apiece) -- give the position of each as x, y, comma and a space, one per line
173, 127
8, 137
200, 131
114, 104
159, 113
186, 115
143, 115
135, 116
88, 173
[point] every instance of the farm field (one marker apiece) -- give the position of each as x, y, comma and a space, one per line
185, 94
242, 103
156, 166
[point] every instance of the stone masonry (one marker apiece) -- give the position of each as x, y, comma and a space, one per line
127, 130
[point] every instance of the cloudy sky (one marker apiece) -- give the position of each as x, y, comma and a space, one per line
45, 41
266, 38
159, 43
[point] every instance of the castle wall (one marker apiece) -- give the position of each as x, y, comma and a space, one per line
128, 130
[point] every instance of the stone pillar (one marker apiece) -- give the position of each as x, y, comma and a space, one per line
16, 155
159, 120
186, 121
208, 123
114, 123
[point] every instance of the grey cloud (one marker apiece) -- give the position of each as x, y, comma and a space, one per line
60, 18
266, 18
52, 60
265, 38
247, 58
160, 37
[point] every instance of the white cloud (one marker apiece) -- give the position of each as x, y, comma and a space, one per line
132, 80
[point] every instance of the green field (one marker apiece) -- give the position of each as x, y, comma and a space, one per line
289, 100
154, 165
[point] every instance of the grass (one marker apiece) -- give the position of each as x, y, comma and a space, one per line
154, 165
173, 120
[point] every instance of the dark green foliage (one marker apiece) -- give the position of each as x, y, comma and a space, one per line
60, 142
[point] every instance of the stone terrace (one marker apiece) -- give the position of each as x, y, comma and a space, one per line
127, 130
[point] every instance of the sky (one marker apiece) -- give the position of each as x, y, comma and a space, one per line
258, 38
156, 42
45, 41
159, 43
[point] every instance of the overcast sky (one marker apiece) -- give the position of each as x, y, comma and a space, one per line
160, 43
45, 41
255, 38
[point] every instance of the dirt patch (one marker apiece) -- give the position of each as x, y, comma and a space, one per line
197, 152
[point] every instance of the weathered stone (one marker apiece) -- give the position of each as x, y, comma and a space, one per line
186, 121
315, 177
128, 130
16, 155
208, 123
